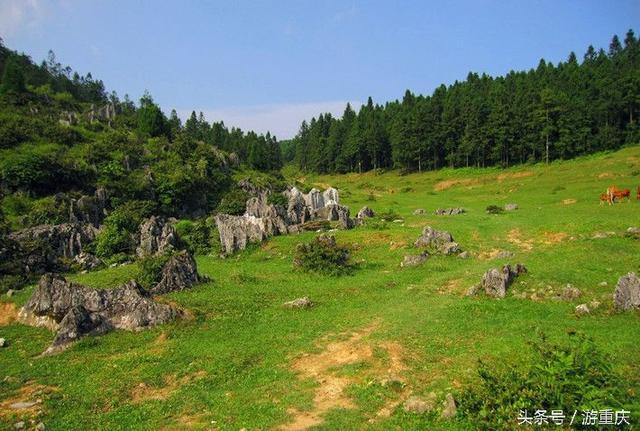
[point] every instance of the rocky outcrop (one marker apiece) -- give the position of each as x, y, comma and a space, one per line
78, 310
87, 261
89, 209
414, 260
179, 273
449, 211
42, 246
438, 241
262, 219
156, 236
627, 293
495, 282
365, 212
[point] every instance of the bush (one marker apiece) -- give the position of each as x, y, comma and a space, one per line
494, 209
234, 202
323, 255
568, 377
277, 198
49, 210
199, 237
120, 226
389, 215
151, 269
12, 282
316, 225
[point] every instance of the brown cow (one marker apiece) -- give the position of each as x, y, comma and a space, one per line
621, 194
604, 197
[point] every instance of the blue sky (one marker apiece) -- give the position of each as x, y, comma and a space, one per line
267, 65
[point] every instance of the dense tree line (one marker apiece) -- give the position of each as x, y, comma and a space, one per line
547, 113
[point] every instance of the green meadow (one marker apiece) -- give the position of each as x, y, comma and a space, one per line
381, 335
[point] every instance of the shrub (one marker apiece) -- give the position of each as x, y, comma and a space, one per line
200, 236
49, 210
571, 376
494, 209
389, 215
12, 282
277, 198
315, 225
120, 226
323, 255
151, 269
234, 202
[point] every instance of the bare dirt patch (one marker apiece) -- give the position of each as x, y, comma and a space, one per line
606, 175
27, 402
447, 184
550, 238
323, 367
453, 287
490, 254
514, 175
515, 237
143, 392
8, 313
569, 201
394, 245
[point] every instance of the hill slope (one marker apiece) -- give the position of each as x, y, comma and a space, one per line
374, 338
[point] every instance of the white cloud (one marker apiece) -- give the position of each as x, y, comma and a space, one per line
18, 15
282, 120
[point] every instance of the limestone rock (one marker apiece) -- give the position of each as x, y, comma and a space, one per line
439, 241
42, 246
627, 293
504, 254
414, 260
418, 405
179, 273
419, 211
365, 212
449, 410
3, 342
570, 293
236, 232
157, 236
495, 282
78, 310
582, 309
303, 302
464, 255
89, 209
449, 211
87, 261
510, 207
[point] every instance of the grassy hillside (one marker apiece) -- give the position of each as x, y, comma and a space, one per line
381, 334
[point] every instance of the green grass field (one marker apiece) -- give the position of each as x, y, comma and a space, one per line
242, 361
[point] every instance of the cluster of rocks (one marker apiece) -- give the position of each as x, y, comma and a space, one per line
263, 219
627, 294
495, 282
437, 241
89, 209
157, 235
73, 310
449, 211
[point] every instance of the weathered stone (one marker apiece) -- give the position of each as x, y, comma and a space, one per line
236, 232
42, 246
627, 293
179, 273
464, 255
633, 230
418, 405
156, 236
19, 425
10, 293
89, 209
504, 254
582, 309
438, 241
303, 302
510, 207
87, 261
414, 260
449, 211
449, 410
40, 427
3, 342
570, 293
79, 310
495, 282
419, 211
365, 212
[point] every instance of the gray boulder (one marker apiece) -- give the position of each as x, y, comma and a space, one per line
365, 212
156, 236
236, 232
570, 293
303, 302
78, 310
419, 211
87, 261
179, 273
449, 211
627, 293
439, 241
496, 281
89, 209
510, 207
414, 260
